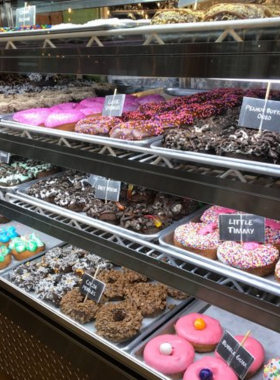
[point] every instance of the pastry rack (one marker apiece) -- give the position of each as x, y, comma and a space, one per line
216, 31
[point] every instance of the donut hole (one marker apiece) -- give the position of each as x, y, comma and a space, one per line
118, 315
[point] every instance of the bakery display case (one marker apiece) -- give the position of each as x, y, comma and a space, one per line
244, 50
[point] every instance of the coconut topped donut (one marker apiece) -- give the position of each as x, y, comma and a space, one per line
211, 215
203, 332
256, 258
209, 368
168, 354
33, 116
60, 117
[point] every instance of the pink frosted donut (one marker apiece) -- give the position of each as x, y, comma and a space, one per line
56, 118
277, 271
201, 238
168, 354
64, 106
203, 332
272, 232
211, 215
150, 99
219, 369
90, 101
252, 257
256, 349
34, 116
128, 107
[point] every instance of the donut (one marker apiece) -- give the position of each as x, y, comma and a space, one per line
33, 116
26, 246
133, 130
5, 257
7, 234
119, 321
210, 368
150, 99
168, 354
255, 348
277, 271
3, 219
89, 102
131, 277
203, 332
149, 298
211, 215
272, 369
255, 258
74, 305
177, 294
96, 125
113, 279
57, 118
63, 106
272, 232
200, 238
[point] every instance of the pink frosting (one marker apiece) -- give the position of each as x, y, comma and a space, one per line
128, 107
90, 101
273, 224
224, 210
255, 348
57, 118
220, 370
34, 116
150, 99
181, 357
64, 106
211, 215
208, 229
212, 333
251, 245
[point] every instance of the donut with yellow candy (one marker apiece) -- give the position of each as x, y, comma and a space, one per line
203, 332
5, 257
26, 246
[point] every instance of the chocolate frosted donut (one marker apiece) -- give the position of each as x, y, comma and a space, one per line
74, 305
118, 322
113, 279
149, 298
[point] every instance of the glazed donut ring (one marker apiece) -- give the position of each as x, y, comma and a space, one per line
119, 321
73, 305
259, 259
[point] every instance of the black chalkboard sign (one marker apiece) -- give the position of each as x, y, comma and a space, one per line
242, 227
259, 113
26, 15
237, 357
113, 105
5, 157
92, 288
107, 189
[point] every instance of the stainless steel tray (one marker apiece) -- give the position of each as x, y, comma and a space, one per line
233, 323
267, 283
50, 242
210, 159
23, 191
100, 140
149, 325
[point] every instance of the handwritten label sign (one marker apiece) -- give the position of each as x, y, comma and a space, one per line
26, 15
256, 113
107, 189
186, 3
5, 157
92, 288
113, 105
237, 357
92, 179
242, 227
